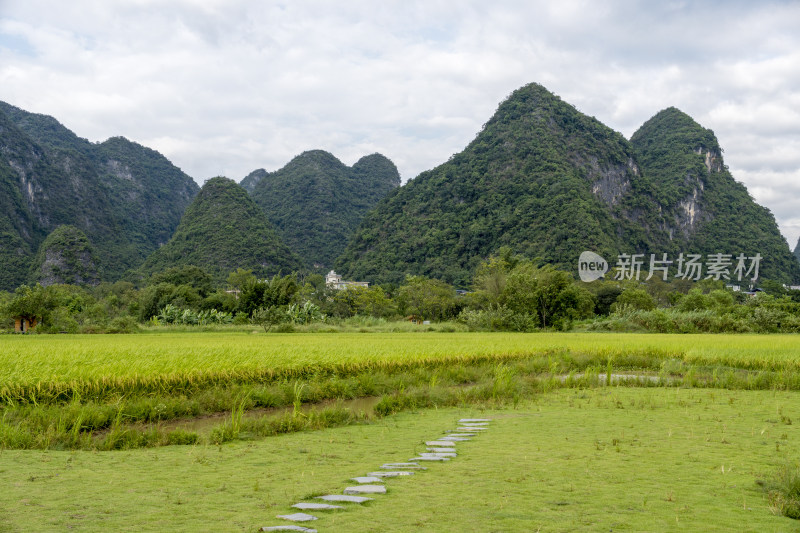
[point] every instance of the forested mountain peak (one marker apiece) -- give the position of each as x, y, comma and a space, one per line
539, 177
316, 201
222, 230
44, 129
548, 182
377, 167
705, 208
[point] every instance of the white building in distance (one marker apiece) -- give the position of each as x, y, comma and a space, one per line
335, 281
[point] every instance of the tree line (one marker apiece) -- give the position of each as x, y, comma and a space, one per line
508, 293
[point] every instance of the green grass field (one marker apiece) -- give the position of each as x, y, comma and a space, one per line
680, 449
620, 459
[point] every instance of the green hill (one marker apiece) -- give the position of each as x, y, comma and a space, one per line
66, 256
222, 230
126, 198
540, 177
316, 202
549, 182
797, 250
707, 210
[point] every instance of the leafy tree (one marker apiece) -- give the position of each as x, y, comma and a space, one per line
695, 300
427, 298
153, 298
31, 303
190, 275
276, 292
549, 295
239, 278
634, 299
270, 316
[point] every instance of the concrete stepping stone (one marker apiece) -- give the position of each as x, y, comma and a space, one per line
452, 436
391, 474
438, 454
367, 479
288, 528
474, 424
366, 489
471, 429
457, 439
441, 450
471, 420
344, 498
431, 458
298, 517
316, 506
404, 466
441, 443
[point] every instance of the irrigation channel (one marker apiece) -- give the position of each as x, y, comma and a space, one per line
440, 449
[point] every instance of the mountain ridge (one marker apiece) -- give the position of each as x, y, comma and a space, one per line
316, 202
548, 181
125, 197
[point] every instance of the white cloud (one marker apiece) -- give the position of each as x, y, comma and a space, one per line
224, 87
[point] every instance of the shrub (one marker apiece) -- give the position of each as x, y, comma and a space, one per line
123, 324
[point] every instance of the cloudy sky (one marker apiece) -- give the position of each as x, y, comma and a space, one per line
222, 87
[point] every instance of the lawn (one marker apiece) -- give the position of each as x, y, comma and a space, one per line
599, 459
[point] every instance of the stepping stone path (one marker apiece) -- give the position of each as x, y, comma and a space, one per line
440, 450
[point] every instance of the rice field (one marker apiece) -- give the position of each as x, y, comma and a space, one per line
114, 391
69, 358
